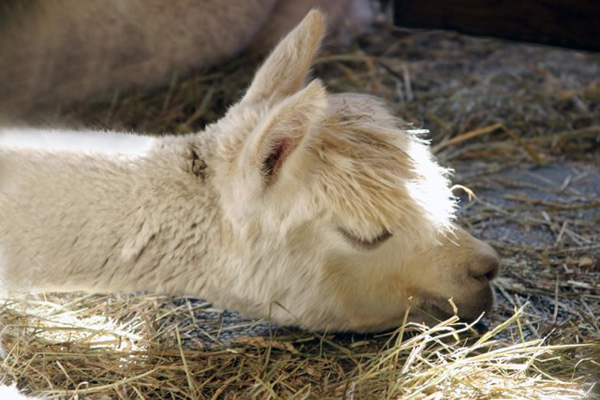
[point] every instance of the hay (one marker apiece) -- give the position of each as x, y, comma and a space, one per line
496, 110
71, 346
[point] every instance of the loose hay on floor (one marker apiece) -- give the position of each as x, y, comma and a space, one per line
68, 346
521, 126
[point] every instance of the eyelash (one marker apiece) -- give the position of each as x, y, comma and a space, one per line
367, 244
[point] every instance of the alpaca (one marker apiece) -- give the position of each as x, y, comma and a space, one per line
54, 53
316, 210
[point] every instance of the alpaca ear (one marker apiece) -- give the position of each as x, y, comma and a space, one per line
286, 128
284, 71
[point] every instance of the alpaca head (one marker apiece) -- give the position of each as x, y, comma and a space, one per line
342, 202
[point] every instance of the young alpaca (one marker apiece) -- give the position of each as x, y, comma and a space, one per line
321, 211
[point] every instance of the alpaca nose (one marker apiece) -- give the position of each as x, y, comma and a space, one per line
486, 267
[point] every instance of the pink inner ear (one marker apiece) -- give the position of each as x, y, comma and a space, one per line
274, 161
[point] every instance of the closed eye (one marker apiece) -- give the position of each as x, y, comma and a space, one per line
367, 244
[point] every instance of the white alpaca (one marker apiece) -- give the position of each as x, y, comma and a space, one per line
317, 210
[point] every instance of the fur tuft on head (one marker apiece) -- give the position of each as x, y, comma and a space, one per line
378, 174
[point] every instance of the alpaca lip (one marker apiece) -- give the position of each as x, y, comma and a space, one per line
443, 309
432, 306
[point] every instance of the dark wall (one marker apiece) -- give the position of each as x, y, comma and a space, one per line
574, 24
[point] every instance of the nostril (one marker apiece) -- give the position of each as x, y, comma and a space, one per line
481, 278
494, 268
486, 268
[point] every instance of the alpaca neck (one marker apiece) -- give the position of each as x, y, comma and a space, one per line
70, 221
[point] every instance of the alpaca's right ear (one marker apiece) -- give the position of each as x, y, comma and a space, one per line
285, 129
284, 71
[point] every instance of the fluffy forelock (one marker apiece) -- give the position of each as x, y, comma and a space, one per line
377, 173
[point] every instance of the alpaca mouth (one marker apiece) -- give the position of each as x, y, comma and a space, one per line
437, 308
443, 309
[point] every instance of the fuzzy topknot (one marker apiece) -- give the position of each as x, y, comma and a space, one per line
379, 174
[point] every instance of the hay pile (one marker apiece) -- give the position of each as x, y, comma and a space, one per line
152, 347
521, 126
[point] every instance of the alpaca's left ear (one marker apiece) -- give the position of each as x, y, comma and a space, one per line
284, 71
281, 135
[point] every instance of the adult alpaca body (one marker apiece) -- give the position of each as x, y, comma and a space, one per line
317, 210
55, 53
